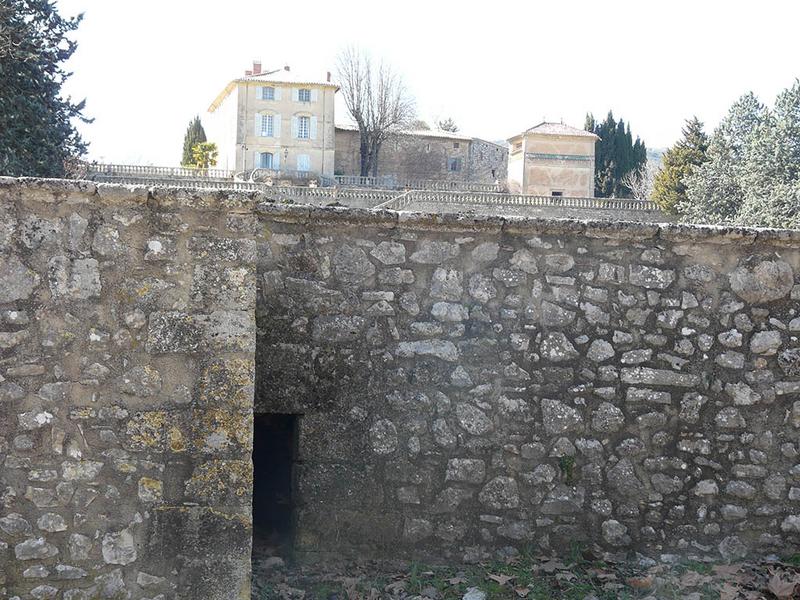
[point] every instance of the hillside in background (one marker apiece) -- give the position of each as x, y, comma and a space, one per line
654, 156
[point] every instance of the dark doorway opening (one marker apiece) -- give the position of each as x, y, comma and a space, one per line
274, 455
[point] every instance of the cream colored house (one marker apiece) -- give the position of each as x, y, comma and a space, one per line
276, 119
552, 159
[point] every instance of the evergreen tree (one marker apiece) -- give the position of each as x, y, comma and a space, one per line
678, 163
37, 134
714, 191
195, 134
447, 124
752, 176
616, 154
770, 177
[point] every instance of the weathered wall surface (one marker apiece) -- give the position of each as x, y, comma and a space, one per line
127, 340
548, 211
487, 162
425, 157
467, 385
472, 386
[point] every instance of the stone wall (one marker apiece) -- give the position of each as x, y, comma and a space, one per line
415, 157
470, 387
487, 161
127, 341
554, 210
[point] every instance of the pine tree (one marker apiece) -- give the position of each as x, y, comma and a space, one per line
714, 190
447, 124
770, 177
678, 163
195, 134
37, 133
616, 154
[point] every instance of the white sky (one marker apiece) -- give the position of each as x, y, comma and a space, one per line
146, 67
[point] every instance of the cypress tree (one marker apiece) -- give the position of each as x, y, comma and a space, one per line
616, 154
195, 134
678, 163
37, 134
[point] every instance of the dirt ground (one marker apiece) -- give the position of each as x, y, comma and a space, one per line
584, 575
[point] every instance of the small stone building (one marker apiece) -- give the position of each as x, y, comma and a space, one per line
552, 159
439, 156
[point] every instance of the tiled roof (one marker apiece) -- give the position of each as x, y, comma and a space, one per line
284, 76
430, 133
546, 128
274, 76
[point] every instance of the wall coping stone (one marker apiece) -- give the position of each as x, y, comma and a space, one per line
74, 191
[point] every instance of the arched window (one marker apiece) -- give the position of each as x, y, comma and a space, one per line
266, 160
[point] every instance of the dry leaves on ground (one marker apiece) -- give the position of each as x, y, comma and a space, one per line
781, 588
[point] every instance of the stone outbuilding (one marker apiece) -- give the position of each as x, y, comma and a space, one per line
552, 159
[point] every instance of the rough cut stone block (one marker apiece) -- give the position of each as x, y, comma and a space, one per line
171, 332
647, 376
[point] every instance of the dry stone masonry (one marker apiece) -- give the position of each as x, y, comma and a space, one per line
467, 387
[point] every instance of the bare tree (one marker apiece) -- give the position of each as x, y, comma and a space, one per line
640, 181
378, 101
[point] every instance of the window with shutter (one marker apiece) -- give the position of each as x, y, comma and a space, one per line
267, 126
268, 93
303, 128
303, 162
304, 95
266, 160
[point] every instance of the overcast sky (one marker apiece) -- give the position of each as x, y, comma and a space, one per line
146, 67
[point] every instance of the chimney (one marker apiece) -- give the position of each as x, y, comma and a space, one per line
329, 77
286, 68
256, 67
